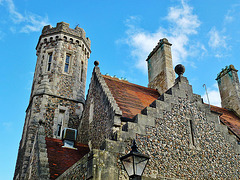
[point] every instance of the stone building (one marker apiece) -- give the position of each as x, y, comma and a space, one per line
67, 137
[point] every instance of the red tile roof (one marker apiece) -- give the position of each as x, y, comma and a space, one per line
131, 98
60, 159
228, 118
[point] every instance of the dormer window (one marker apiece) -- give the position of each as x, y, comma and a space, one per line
49, 61
67, 63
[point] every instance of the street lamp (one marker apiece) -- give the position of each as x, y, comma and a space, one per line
134, 163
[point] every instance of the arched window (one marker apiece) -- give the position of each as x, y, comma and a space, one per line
65, 38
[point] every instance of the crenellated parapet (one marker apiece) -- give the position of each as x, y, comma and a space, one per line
62, 32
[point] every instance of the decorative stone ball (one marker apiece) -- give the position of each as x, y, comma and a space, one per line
179, 69
96, 63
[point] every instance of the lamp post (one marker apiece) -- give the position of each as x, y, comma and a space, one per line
134, 163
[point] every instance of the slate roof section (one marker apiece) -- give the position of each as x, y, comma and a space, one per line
229, 118
60, 159
131, 98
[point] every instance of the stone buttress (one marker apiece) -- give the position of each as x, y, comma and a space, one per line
58, 89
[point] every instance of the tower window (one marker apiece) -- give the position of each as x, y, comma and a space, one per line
67, 62
59, 129
81, 71
49, 61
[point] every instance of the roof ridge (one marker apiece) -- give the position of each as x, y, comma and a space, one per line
126, 82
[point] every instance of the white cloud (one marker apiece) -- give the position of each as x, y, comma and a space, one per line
7, 126
232, 14
16, 16
26, 23
217, 39
34, 23
182, 23
228, 18
214, 96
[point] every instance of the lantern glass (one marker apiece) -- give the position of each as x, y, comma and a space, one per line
128, 164
140, 164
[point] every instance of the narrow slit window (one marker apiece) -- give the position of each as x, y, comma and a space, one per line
67, 63
59, 129
191, 132
81, 71
49, 61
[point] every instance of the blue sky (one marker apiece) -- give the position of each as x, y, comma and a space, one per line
204, 34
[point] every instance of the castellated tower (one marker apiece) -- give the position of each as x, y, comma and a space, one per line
161, 75
58, 88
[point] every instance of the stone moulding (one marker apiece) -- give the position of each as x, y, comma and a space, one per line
107, 92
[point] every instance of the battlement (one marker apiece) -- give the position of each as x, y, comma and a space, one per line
50, 33
64, 27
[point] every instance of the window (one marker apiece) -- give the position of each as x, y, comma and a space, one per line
67, 62
49, 61
60, 122
191, 134
81, 71
59, 129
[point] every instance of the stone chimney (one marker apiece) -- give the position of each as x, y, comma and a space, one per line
161, 75
229, 88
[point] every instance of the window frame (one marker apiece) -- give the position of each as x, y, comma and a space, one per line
49, 62
68, 57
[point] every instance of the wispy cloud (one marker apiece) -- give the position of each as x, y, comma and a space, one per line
182, 24
7, 126
232, 14
217, 39
28, 22
214, 96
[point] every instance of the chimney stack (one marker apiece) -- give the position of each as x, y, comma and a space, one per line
229, 88
161, 75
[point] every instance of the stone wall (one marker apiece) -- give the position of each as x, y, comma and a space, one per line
100, 117
99, 164
184, 139
38, 167
55, 91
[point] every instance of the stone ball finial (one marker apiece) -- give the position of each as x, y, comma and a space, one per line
96, 63
179, 69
